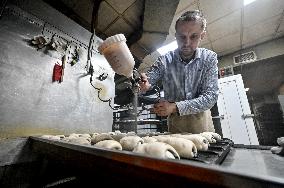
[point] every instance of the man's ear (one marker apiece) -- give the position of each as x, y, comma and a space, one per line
203, 34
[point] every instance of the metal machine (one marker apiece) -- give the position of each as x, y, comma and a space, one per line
131, 112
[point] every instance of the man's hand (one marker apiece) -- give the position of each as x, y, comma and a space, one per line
165, 108
144, 83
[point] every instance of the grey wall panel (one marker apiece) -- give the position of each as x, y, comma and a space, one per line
30, 103
44, 12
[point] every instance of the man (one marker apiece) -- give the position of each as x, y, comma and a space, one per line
189, 77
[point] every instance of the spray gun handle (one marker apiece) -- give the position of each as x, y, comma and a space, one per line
137, 77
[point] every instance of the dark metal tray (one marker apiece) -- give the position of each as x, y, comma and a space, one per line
216, 152
129, 168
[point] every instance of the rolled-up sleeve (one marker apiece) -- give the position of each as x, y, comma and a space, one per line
155, 73
208, 93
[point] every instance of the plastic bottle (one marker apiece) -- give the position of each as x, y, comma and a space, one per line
118, 55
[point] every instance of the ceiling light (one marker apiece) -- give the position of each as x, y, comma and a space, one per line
169, 47
246, 2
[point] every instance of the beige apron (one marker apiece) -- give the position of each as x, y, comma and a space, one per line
193, 123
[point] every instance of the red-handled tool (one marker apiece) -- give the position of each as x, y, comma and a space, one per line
58, 71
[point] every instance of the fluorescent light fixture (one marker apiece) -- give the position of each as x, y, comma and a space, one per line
169, 47
246, 2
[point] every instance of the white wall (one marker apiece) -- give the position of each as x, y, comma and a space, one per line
30, 103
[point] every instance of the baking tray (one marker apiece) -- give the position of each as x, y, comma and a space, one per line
216, 152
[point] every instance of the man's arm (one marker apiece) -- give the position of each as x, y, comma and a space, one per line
152, 76
144, 83
208, 95
165, 108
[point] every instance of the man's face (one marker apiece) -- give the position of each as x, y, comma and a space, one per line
188, 35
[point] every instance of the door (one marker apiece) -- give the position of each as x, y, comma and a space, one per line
236, 122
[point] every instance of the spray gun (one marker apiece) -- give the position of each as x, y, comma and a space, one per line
119, 57
122, 62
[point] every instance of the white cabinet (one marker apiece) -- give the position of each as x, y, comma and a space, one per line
281, 101
236, 118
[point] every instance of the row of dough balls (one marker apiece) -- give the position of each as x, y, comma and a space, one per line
278, 149
170, 146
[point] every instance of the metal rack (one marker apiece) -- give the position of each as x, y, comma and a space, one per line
123, 120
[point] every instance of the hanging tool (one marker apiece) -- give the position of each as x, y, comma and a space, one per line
63, 67
58, 70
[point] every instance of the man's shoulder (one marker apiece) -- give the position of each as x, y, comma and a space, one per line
206, 52
169, 56
207, 55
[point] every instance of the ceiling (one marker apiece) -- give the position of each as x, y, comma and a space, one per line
145, 23
148, 24
232, 26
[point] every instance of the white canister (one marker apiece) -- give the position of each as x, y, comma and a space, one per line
118, 55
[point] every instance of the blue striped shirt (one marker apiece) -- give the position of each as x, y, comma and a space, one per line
192, 85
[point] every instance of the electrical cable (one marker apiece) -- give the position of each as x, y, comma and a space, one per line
109, 100
89, 65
